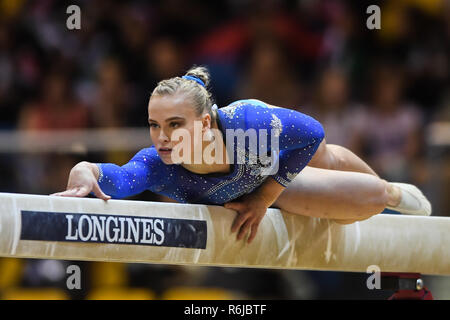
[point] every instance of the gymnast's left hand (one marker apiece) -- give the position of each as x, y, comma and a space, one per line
251, 209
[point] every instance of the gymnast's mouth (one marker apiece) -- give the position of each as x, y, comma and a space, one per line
164, 149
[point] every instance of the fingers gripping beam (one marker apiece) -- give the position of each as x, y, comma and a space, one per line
50, 227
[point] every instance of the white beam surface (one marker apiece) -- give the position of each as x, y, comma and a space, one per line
36, 226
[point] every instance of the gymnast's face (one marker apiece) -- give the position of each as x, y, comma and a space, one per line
172, 119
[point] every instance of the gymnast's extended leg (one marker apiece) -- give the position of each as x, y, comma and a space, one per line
342, 196
339, 185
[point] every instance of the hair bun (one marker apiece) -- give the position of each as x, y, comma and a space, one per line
199, 72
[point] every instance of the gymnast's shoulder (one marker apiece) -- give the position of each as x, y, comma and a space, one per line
251, 102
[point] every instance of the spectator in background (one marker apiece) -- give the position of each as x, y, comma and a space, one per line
111, 105
165, 58
392, 129
269, 76
7, 95
343, 121
55, 109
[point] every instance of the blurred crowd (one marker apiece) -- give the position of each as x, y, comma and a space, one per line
374, 91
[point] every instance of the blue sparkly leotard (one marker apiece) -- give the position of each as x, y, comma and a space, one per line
298, 134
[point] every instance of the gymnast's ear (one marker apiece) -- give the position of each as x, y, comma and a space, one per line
206, 121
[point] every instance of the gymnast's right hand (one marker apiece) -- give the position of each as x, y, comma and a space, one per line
82, 180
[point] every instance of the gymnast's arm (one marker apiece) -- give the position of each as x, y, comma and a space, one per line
109, 180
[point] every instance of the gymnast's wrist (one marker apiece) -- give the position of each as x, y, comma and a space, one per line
269, 191
266, 197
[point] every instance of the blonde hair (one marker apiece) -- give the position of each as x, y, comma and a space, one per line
202, 99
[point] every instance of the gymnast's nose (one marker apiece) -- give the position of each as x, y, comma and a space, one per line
163, 137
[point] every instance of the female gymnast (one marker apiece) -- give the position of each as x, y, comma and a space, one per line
306, 176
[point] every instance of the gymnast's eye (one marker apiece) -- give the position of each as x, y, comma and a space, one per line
174, 124
153, 125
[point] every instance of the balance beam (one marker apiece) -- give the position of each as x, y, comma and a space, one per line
50, 227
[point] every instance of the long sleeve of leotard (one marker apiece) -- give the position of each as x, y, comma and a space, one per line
132, 178
299, 136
